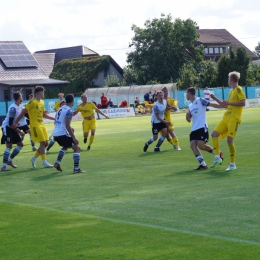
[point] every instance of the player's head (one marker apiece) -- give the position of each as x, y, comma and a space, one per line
206, 88
190, 93
17, 97
39, 91
165, 91
233, 78
84, 98
61, 95
62, 103
69, 99
160, 95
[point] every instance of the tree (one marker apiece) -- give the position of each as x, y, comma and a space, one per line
112, 81
207, 73
162, 48
238, 61
253, 75
242, 60
187, 76
257, 50
130, 76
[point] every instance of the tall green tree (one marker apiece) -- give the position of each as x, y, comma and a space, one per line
207, 72
236, 61
162, 47
242, 61
253, 75
187, 76
257, 50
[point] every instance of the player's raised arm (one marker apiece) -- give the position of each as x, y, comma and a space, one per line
100, 112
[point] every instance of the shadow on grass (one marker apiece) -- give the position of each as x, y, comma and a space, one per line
149, 153
16, 171
210, 173
48, 176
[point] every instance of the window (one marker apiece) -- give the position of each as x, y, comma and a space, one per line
7, 95
216, 50
210, 50
206, 50
105, 73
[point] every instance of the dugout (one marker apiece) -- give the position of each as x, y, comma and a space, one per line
129, 93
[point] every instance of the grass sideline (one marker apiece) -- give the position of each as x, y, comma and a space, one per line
134, 205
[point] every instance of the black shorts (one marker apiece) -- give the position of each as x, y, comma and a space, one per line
64, 141
24, 128
157, 127
11, 137
201, 134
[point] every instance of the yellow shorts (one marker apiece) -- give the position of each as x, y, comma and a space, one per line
89, 125
39, 133
227, 128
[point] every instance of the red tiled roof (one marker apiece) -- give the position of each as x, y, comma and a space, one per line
225, 36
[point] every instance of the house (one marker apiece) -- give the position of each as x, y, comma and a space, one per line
77, 52
19, 70
217, 41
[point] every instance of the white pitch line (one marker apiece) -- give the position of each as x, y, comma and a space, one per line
188, 232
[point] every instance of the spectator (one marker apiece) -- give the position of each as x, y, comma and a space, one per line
154, 97
103, 101
139, 106
110, 103
207, 94
123, 104
147, 96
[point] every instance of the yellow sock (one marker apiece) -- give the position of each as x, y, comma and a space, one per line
43, 156
232, 152
91, 140
175, 141
171, 141
36, 154
215, 142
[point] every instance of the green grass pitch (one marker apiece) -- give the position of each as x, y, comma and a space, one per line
133, 205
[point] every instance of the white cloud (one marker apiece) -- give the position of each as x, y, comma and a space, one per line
102, 25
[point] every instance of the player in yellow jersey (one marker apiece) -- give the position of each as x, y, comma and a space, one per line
171, 137
228, 126
89, 123
36, 110
57, 103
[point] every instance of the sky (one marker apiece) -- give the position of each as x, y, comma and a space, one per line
105, 26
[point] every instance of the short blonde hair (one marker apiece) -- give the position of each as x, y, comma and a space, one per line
61, 94
234, 75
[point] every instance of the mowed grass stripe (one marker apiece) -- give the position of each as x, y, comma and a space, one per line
155, 189
91, 229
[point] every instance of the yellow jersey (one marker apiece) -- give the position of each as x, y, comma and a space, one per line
86, 109
57, 105
235, 95
167, 113
35, 110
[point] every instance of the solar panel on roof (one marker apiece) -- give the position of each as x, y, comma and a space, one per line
16, 54
13, 61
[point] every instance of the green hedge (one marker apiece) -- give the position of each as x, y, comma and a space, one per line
79, 72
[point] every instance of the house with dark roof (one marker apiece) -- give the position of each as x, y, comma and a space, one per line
19, 70
218, 41
77, 52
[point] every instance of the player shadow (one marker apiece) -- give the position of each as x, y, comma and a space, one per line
48, 176
211, 173
149, 153
15, 172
